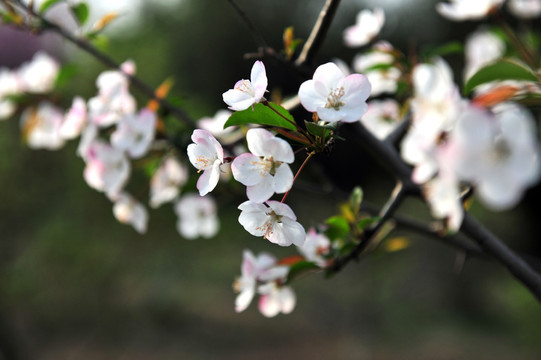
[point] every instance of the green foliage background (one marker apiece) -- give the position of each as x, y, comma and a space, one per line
76, 284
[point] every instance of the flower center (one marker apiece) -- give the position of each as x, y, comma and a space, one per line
333, 100
502, 150
245, 86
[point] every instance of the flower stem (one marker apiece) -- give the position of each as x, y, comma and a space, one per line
297, 174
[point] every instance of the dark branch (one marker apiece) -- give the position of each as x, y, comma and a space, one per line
106, 60
319, 31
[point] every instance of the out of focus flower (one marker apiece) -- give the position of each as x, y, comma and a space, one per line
215, 125
129, 211
482, 48
107, 168
197, 216
166, 182
435, 108
498, 152
459, 10
334, 96
39, 75
252, 269
206, 154
9, 85
265, 171
525, 9
246, 93
135, 133
315, 246
379, 69
263, 275
367, 27
75, 120
274, 221
114, 100
41, 126
382, 117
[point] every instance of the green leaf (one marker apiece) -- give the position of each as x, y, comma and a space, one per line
81, 12
262, 115
317, 130
338, 227
299, 268
366, 222
67, 72
453, 47
505, 69
47, 4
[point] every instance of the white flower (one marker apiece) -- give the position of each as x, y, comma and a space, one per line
215, 125
113, 100
129, 211
166, 181
459, 10
382, 117
498, 152
252, 269
248, 92
135, 133
41, 126
334, 96
314, 247
482, 47
9, 85
277, 222
435, 109
107, 168
265, 170
39, 75
88, 135
276, 299
75, 119
443, 196
196, 216
525, 9
206, 154
367, 27
377, 66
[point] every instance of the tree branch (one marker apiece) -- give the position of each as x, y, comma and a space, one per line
109, 62
319, 31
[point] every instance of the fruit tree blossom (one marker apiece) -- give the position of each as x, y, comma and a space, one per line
265, 170
334, 96
206, 154
246, 93
459, 10
196, 216
368, 25
129, 211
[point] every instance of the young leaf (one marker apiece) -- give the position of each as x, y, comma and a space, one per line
299, 268
47, 4
505, 69
338, 228
317, 130
262, 115
81, 12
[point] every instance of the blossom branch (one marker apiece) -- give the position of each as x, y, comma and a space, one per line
487, 241
297, 174
318, 33
144, 88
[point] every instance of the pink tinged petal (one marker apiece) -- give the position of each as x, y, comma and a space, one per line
262, 191
75, 119
283, 179
248, 266
274, 273
206, 139
249, 169
258, 78
209, 179
269, 305
287, 232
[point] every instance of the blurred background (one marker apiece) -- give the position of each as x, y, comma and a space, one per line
76, 284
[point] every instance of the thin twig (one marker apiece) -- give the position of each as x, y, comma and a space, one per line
256, 34
319, 31
109, 62
298, 172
